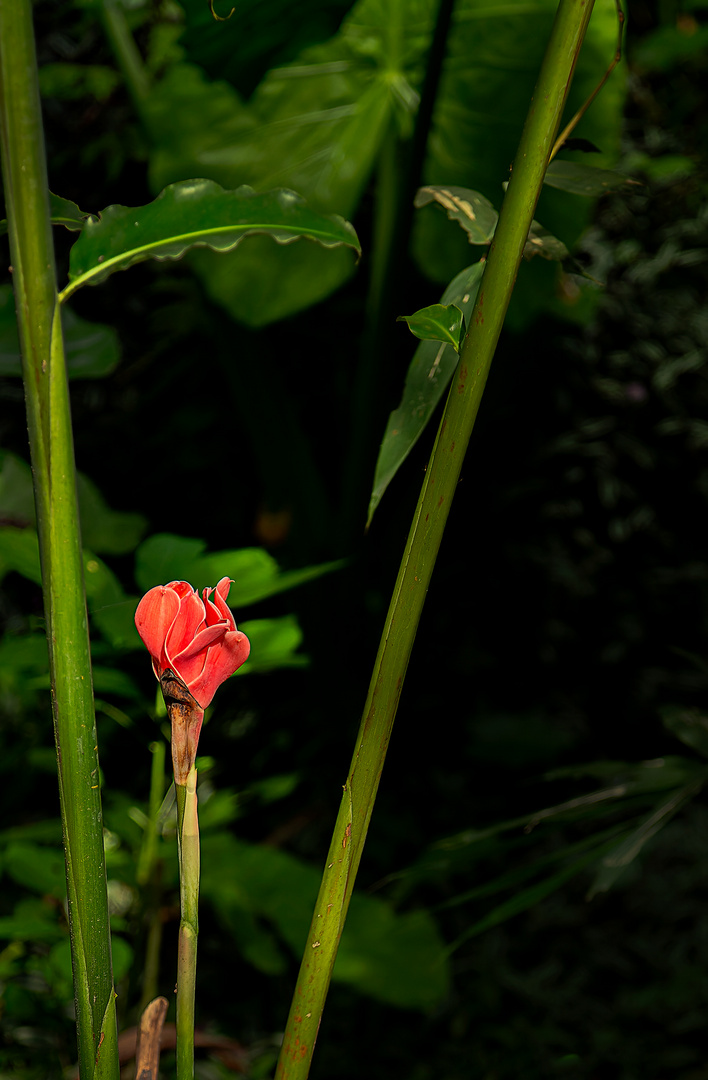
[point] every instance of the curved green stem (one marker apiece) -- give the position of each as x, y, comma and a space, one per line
51, 446
425, 536
188, 840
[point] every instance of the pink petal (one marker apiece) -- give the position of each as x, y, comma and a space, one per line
154, 616
218, 608
222, 661
187, 624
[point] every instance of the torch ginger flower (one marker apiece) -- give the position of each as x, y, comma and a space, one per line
194, 646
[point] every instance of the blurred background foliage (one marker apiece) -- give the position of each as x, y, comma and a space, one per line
532, 895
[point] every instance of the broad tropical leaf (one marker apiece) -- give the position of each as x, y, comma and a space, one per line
195, 213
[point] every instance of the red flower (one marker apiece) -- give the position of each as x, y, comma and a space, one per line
196, 639
195, 646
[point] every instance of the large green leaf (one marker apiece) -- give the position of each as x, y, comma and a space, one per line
428, 377
256, 575
316, 125
494, 55
396, 958
190, 214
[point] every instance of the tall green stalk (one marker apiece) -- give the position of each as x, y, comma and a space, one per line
51, 446
188, 841
425, 536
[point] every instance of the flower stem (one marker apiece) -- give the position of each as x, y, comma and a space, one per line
188, 845
425, 536
51, 446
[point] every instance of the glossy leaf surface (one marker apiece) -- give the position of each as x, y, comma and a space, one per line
195, 213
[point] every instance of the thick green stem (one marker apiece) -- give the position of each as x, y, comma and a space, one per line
425, 536
188, 840
51, 446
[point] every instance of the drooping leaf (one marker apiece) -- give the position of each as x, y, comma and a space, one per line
195, 213
427, 380
256, 575
582, 179
439, 322
468, 208
92, 349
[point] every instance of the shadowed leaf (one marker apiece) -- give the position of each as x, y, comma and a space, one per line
586, 180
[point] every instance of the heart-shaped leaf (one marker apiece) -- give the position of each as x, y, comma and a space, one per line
195, 213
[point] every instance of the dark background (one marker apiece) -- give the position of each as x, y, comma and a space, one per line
567, 611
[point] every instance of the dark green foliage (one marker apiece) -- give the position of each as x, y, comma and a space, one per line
567, 619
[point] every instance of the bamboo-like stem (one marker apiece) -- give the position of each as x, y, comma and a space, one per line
52, 453
188, 841
425, 536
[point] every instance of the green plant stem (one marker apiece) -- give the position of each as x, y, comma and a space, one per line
188, 841
149, 877
126, 52
425, 536
51, 447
